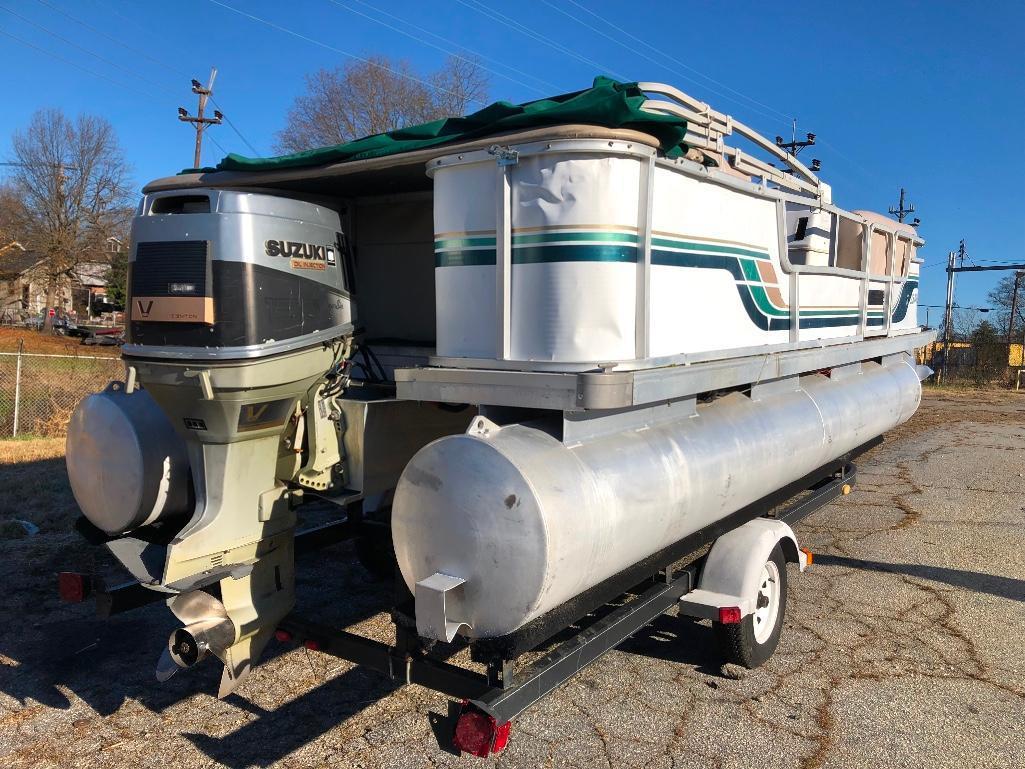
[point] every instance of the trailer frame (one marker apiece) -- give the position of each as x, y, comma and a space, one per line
627, 602
657, 584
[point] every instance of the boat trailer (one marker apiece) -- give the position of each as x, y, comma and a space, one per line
591, 624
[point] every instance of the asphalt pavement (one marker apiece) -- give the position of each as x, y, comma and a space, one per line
903, 647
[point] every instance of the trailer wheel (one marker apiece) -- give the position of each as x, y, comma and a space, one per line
752, 641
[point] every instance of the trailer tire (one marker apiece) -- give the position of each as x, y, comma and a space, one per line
750, 643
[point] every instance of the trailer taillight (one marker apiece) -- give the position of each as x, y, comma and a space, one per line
73, 587
282, 635
479, 734
729, 615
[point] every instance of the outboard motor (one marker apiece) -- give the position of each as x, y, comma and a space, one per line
239, 326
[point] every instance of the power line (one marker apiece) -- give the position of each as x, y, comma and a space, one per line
501, 18
151, 58
71, 63
483, 56
853, 163
432, 45
322, 44
217, 144
772, 112
73, 44
112, 38
673, 59
120, 15
234, 128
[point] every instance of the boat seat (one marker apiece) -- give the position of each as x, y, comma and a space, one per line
809, 233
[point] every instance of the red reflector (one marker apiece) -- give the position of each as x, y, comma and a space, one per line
73, 588
283, 635
313, 646
479, 735
729, 615
501, 737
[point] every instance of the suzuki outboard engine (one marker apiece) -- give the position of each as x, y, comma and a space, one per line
239, 326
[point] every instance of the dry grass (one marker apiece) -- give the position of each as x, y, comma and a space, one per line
50, 344
34, 485
30, 450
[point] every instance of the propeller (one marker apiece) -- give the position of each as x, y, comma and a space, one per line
206, 629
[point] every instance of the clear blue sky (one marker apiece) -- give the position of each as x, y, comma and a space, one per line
929, 95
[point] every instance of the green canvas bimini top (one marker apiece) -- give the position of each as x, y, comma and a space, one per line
606, 103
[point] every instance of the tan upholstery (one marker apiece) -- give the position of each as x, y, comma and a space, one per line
851, 240
850, 244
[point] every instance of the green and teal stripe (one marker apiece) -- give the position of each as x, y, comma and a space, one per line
540, 248
739, 260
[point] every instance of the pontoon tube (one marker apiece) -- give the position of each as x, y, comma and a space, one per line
530, 522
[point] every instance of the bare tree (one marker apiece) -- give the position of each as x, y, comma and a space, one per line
1001, 297
73, 185
10, 215
381, 94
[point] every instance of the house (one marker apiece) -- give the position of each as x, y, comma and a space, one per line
23, 287
89, 289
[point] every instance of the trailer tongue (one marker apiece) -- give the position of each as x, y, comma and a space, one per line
640, 342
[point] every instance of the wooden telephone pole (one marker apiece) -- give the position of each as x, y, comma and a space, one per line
901, 212
198, 120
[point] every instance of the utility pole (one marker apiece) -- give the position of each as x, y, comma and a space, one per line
794, 147
947, 319
901, 212
1014, 304
198, 120
960, 255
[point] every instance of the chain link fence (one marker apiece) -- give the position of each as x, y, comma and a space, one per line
39, 392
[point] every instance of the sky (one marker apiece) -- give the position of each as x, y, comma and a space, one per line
925, 95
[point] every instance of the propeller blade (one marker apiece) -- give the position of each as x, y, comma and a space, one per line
166, 666
196, 605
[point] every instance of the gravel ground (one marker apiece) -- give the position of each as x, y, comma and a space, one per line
902, 647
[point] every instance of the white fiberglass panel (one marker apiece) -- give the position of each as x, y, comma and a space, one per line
464, 199
904, 309
573, 311
829, 306
464, 258
716, 280
689, 206
553, 191
574, 256
466, 311
699, 310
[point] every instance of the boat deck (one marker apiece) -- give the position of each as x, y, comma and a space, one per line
605, 390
